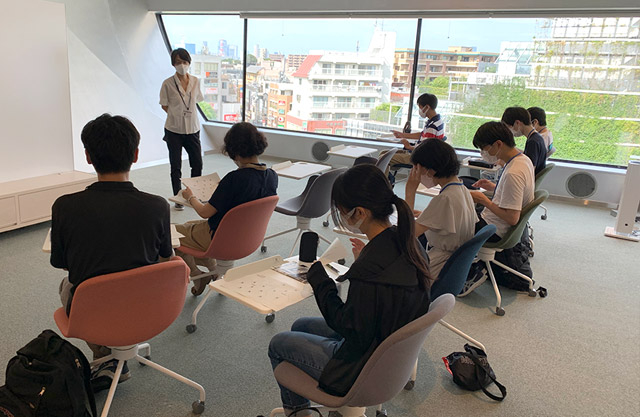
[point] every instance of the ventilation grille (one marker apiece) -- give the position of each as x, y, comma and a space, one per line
581, 185
319, 151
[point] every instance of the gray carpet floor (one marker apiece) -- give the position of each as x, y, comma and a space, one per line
574, 353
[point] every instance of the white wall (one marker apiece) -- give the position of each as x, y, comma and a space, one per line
117, 61
35, 91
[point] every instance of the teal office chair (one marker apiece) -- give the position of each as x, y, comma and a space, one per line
510, 239
452, 278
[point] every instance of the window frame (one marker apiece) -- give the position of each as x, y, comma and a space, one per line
414, 71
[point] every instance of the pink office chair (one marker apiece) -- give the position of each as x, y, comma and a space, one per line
123, 309
239, 234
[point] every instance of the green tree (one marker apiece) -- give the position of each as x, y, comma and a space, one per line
251, 59
439, 86
207, 109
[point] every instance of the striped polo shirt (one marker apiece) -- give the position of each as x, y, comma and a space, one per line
433, 129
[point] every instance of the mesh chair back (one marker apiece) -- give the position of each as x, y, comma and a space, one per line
454, 272
543, 173
317, 200
128, 307
512, 237
384, 160
389, 368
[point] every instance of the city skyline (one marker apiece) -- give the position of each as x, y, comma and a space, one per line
289, 36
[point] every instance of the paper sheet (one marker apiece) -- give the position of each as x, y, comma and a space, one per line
334, 252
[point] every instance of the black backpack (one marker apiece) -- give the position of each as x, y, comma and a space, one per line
49, 377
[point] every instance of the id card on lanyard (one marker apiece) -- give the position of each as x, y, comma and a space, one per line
186, 112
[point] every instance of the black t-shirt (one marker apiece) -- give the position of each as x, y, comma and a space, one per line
536, 150
241, 186
109, 227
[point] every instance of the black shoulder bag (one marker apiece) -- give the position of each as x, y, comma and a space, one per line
471, 371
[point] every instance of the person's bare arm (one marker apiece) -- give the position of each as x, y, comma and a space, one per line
510, 216
205, 210
165, 108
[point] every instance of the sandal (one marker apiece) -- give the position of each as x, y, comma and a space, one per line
200, 284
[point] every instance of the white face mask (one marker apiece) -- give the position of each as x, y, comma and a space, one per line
182, 68
353, 228
423, 113
515, 132
427, 181
492, 159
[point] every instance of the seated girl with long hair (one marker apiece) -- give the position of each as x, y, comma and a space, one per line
389, 285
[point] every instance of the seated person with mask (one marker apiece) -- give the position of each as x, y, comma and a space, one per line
518, 120
514, 190
449, 219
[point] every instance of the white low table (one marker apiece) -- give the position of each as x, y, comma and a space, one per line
258, 286
299, 170
351, 151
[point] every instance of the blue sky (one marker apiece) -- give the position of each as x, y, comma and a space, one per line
298, 36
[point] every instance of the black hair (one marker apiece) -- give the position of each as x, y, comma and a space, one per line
437, 155
111, 142
367, 187
427, 99
182, 53
244, 140
490, 132
538, 114
511, 114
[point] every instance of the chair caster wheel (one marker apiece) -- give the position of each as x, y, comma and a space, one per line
342, 261
409, 385
325, 224
533, 293
191, 328
197, 407
500, 311
269, 318
381, 413
543, 217
263, 249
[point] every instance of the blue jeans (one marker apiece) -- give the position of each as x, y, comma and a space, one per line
309, 346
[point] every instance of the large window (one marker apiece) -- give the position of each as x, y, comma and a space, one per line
215, 45
355, 76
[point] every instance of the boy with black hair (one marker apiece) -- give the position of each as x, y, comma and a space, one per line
91, 229
513, 191
539, 122
433, 129
518, 121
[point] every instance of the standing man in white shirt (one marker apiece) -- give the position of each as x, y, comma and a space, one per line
179, 96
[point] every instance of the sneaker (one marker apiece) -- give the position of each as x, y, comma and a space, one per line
178, 206
102, 375
477, 276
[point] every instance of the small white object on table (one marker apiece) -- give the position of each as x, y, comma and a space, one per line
175, 239
299, 170
351, 151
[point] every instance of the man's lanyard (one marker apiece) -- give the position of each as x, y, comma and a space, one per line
178, 88
451, 183
505, 167
530, 133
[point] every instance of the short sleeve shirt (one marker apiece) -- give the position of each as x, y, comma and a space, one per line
451, 219
548, 138
182, 112
109, 227
433, 129
514, 191
536, 150
241, 186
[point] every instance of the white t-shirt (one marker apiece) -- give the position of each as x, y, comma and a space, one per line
514, 191
451, 219
548, 138
182, 112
